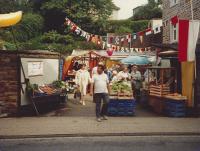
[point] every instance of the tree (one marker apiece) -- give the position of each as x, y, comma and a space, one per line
149, 11
8, 6
85, 13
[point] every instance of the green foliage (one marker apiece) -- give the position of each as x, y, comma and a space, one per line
8, 6
123, 30
126, 26
30, 27
42, 25
55, 37
149, 11
82, 12
9, 46
140, 25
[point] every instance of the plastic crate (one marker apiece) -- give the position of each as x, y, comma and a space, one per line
175, 108
121, 107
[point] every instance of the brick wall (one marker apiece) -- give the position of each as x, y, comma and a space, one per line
8, 83
10, 77
182, 10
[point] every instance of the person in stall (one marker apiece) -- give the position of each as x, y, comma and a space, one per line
124, 74
114, 76
136, 81
82, 80
76, 66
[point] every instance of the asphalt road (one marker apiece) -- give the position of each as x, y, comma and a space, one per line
123, 143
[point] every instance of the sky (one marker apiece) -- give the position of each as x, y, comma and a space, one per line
126, 7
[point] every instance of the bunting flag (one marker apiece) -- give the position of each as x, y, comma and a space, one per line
128, 37
157, 29
116, 42
134, 36
174, 20
188, 36
148, 31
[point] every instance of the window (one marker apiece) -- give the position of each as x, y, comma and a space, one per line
173, 2
174, 33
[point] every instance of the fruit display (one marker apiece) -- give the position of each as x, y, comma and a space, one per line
57, 87
49, 90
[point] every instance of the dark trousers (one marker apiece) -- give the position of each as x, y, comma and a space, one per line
101, 100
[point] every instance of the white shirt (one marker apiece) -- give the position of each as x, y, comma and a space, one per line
82, 77
94, 70
100, 82
123, 74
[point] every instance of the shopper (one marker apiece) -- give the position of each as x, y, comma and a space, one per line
82, 80
136, 82
94, 70
124, 74
99, 91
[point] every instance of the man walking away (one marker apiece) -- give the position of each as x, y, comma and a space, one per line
100, 89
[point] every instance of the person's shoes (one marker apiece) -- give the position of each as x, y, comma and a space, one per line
104, 117
83, 103
98, 119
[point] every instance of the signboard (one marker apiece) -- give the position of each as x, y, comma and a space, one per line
35, 68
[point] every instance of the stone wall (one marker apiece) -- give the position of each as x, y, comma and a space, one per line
182, 10
10, 77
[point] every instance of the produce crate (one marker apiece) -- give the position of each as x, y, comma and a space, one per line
121, 107
159, 90
175, 108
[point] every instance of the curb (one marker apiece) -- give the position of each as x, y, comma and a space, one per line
100, 135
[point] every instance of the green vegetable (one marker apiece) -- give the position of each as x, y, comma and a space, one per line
121, 86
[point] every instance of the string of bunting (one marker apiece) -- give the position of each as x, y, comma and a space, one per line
113, 42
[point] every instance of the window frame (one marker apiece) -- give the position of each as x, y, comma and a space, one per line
172, 35
174, 2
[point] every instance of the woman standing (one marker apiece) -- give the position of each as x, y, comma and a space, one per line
82, 80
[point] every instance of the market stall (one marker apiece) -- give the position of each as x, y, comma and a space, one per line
122, 102
71, 64
162, 92
55, 92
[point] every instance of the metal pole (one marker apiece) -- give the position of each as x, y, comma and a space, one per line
13, 35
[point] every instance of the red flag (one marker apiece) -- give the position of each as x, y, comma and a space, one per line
183, 39
174, 20
188, 36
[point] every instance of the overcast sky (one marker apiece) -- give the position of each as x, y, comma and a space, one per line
126, 7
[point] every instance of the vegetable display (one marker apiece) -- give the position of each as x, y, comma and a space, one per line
121, 87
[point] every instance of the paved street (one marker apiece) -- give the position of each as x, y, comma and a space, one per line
74, 119
156, 143
75, 109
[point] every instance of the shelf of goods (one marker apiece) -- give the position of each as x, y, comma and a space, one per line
47, 93
121, 102
70, 79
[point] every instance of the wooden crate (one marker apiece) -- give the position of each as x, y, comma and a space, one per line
159, 90
125, 96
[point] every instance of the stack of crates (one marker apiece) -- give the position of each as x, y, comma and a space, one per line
120, 107
175, 108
